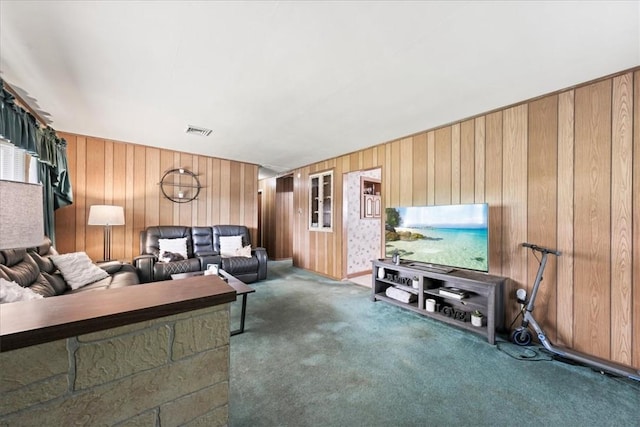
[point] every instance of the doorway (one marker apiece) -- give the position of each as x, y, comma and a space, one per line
362, 233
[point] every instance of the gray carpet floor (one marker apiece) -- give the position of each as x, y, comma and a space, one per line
318, 352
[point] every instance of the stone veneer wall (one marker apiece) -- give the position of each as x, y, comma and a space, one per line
165, 372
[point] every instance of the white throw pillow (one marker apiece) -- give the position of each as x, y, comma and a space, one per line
12, 292
229, 245
176, 246
77, 269
245, 252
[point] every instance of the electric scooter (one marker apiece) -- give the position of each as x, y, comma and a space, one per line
522, 336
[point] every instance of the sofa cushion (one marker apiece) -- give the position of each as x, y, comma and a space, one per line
78, 270
176, 246
229, 245
12, 292
164, 270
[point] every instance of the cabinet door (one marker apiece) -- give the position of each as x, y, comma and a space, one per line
314, 202
368, 209
321, 201
377, 207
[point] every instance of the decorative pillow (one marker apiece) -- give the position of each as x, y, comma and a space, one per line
229, 245
12, 292
176, 246
77, 269
245, 252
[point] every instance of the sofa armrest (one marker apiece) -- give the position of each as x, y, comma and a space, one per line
208, 258
113, 267
261, 255
144, 266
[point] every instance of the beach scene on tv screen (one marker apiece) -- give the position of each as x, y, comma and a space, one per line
452, 235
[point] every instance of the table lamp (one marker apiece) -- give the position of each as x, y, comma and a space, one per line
107, 216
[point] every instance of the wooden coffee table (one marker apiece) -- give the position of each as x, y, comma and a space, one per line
241, 289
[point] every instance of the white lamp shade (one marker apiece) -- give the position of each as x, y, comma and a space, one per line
21, 215
106, 215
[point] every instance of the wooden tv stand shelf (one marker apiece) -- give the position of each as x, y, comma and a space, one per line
484, 292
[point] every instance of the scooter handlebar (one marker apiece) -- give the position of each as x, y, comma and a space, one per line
541, 249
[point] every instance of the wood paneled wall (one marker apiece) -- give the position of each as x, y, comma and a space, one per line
277, 219
561, 171
111, 172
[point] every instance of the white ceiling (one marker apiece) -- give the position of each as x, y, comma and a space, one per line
284, 84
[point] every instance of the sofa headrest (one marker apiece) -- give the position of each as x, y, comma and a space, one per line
202, 241
45, 249
230, 230
149, 238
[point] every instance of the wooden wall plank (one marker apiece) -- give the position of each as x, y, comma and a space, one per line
80, 193
592, 250
152, 189
467, 161
216, 192
420, 169
455, 164
542, 203
479, 178
565, 182
394, 170
202, 201
139, 188
367, 158
443, 166
65, 218
234, 193
431, 168
118, 234
94, 241
225, 192
493, 193
621, 218
165, 206
514, 196
406, 172
132, 240
108, 172
635, 309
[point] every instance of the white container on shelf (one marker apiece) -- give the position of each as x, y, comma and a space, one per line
430, 305
476, 320
381, 273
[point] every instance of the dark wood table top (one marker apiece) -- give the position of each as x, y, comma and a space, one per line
240, 287
33, 322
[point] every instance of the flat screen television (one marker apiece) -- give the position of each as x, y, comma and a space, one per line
453, 236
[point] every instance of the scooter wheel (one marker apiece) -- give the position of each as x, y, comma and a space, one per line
521, 336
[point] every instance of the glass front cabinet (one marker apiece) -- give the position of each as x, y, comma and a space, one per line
321, 201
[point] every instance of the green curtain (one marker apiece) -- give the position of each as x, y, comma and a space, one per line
21, 128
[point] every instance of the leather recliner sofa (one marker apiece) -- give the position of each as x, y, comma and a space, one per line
246, 269
32, 268
202, 249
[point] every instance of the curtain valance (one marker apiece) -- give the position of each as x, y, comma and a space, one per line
21, 128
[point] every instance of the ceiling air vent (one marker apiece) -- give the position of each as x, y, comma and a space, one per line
198, 130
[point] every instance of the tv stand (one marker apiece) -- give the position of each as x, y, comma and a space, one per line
430, 267
483, 292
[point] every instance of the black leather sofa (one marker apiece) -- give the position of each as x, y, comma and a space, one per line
202, 249
245, 269
32, 268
